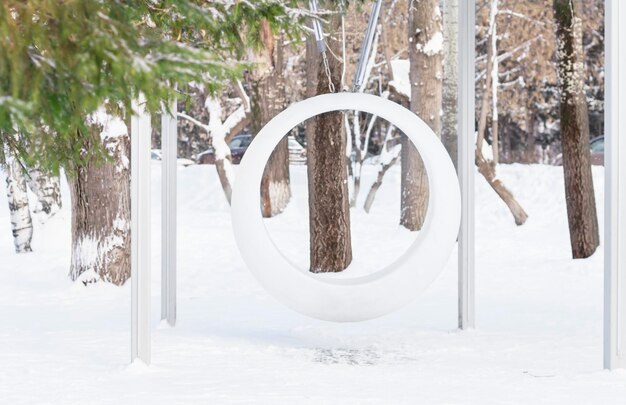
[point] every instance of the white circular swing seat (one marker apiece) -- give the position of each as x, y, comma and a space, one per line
348, 299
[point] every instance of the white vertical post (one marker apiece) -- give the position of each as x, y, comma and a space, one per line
168, 211
466, 142
615, 187
140, 135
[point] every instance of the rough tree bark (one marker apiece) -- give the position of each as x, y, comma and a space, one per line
450, 79
19, 210
329, 211
267, 86
579, 192
101, 207
425, 58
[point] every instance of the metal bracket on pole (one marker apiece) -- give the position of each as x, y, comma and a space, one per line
615, 187
169, 149
140, 136
466, 142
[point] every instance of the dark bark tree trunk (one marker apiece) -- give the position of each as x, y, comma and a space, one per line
425, 57
329, 211
579, 192
19, 209
530, 134
267, 84
101, 210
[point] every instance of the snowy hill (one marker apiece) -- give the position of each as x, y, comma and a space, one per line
539, 314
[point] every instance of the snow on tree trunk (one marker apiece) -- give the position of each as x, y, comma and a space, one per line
101, 207
218, 131
329, 211
47, 188
267, 83
450, 79
579, 192
19, 210
425, 57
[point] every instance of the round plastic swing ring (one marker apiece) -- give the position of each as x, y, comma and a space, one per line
348, 299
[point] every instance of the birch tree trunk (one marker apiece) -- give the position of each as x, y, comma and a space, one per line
19, 210
218, 132
579, 192
493, 38
425, 58
485, 167
450, 79
47, 188
101, 208
388, 159
267, 84
221, 132
329, 211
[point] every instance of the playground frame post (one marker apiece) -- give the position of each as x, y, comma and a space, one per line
140, 139
615, 187
169, 155
466, 145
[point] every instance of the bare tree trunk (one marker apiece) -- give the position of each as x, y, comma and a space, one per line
222, 166
101, 209
450, 79
267, 84
486, 168
388, 159
19, 210
329, 211
489, 173
530, 133
493, 38
425, 57
47, 188
579, 192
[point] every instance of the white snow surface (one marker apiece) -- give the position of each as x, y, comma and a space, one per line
401, 81
539, 314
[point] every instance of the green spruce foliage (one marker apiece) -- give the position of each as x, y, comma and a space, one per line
61, 60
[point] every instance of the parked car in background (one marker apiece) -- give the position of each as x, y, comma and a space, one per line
597, 152
158, 156
239, 144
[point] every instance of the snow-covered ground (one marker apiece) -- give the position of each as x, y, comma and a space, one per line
539, 315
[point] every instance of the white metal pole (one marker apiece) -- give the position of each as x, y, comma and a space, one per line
140, 135
466, 142
615, 187
168, 215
